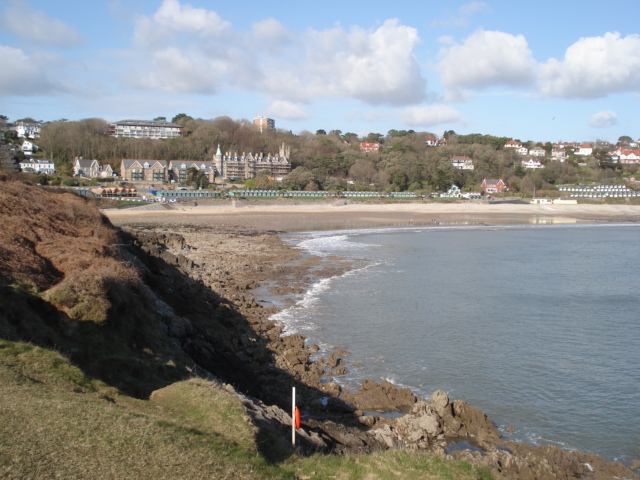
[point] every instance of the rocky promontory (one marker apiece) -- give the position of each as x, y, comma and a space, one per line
249, 351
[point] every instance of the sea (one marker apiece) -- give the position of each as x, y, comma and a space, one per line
537, 325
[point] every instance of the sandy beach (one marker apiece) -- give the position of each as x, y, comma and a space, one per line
291, 215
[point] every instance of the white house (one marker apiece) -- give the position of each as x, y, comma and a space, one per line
39, 165
85, 168
28, 130
462, 163
585, 149
431, 141
28, 147
629, 156
105, 171
559, 154
540, 201
531, 163
537, 152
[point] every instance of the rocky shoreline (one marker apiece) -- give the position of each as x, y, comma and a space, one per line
249, 351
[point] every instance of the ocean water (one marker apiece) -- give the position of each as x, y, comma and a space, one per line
536, 325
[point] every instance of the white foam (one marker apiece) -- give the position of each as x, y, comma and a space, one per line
324, 245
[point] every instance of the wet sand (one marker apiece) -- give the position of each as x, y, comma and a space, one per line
291, 215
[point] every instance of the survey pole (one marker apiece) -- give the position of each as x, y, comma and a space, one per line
293, 416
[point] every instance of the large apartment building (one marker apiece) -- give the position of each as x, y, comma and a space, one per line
144, 170
245, 166
264, 124
145, 129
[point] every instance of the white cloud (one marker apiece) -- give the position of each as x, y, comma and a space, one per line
594, 67
287, 110
430, 115
603, 119
462, 18
22, 74
173, 19
271, 35
375, 66
20, 19
175, 71
485, 59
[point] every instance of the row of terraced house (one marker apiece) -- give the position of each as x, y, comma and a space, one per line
227, 166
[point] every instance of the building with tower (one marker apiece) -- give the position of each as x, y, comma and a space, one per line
246, 166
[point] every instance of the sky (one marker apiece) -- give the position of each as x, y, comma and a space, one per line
562, 70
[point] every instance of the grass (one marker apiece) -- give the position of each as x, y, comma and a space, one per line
388, 465
58, 423
81, 350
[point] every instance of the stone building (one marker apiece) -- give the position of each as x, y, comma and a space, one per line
246, 166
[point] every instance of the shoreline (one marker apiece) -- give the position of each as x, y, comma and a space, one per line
292, 216
258, 219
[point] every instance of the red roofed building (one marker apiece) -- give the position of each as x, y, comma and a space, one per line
369, 147
492, 185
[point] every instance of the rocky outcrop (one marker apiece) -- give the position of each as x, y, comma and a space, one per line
215, 319
437, 419
383, 396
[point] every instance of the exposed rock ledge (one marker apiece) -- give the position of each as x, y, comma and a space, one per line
261, 362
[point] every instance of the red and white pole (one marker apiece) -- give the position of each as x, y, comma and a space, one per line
293, 416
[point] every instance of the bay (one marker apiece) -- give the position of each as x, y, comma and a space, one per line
536, 325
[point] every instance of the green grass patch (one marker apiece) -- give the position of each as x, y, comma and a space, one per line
386, 465
59, 423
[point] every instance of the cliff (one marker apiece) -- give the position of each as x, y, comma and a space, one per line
143, 310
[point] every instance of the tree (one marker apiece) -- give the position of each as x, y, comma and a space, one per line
181, 119
321, 132
520, 172
298, 179
350, 137
375, 137
625, 140
160, 119
363, 171
263, 180
197, 178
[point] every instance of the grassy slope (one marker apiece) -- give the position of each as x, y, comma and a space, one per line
57, 422
67, 301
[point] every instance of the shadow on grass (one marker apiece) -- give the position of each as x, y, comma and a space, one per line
166, 329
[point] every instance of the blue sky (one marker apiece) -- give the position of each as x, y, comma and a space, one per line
558, 70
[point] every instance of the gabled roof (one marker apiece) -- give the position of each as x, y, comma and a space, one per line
492, 181
187, 164
84, 163
129, 163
